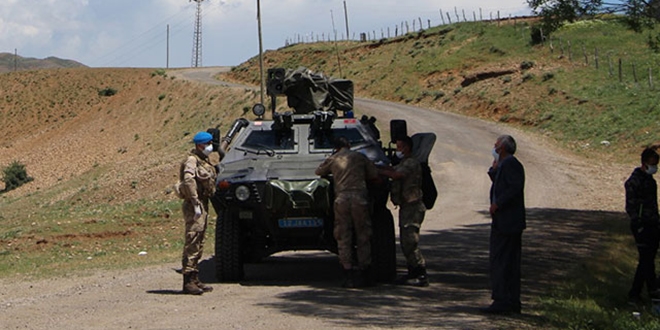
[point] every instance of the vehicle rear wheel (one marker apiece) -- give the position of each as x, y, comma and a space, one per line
383, 246
228, 258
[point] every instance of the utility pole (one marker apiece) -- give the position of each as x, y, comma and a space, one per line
261, 51
197, 36
15, 59
346, 19
167, 61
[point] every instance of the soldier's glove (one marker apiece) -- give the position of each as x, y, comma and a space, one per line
198, 212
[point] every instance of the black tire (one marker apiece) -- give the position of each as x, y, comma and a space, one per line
228, 257
383, 246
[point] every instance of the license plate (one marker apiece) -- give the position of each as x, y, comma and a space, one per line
300, 223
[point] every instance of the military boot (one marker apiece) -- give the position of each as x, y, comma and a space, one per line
349, 280
195, 279
403, 279
419, 277
189, 286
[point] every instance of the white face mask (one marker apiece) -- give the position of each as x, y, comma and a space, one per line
495, 154
651, 169
208, 149
399, 154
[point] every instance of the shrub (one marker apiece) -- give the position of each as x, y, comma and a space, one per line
15, 176
107, 91
526, 65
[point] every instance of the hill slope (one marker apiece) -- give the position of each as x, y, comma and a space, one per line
98, 148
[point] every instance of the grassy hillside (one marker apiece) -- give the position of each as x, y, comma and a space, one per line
492, 71
103, 147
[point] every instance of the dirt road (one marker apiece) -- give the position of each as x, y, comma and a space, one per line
566, 197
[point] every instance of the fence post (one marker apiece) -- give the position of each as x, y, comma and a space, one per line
609, 62
442, 17
596, 58
420, 23
584, 53
561, 48
474, 16
448, 18
570, 51
458, 19
481, 16
429, 21
620, 70
464, 19
498, 18
650, 78
634, 72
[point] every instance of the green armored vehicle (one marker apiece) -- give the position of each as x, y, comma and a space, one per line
268, 198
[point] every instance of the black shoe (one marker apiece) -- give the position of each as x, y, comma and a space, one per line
499, 309
635, 301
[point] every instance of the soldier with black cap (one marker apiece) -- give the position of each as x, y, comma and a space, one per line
197, 177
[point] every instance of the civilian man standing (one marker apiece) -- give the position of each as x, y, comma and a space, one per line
507, 210
642, 208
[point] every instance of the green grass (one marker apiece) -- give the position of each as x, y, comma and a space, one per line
594, 293
66, 238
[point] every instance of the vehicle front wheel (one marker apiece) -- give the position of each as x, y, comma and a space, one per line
228, 258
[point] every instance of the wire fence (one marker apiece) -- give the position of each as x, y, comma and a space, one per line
619, 68
418, 24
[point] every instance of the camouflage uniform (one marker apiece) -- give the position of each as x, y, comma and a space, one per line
642, 208
407, 193
198, 177
350, 170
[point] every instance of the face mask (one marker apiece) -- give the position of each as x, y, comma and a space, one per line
208, 149
399, 154
495, 155
651, 169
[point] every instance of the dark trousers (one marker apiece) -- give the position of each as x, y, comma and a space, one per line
505, 256
647, 247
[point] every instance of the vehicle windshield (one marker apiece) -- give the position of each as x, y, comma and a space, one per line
269, 140
325, 141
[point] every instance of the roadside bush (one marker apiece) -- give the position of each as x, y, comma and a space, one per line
15, 176
107, 91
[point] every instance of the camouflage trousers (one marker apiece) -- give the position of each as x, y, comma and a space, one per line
352, 220
411, 216
194, 236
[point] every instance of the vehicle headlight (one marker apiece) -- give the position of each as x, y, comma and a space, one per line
242, 193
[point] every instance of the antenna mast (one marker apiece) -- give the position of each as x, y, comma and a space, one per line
197, 36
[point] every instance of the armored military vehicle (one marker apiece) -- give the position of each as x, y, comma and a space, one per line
268, 198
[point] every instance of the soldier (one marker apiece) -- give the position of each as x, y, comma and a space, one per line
407, 194
350, 171
197, 176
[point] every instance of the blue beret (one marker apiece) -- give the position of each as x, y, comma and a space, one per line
202, 137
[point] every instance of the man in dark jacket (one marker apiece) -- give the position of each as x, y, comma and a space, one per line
507, 209
642, 208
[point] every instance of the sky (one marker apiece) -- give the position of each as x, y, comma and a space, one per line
134, 33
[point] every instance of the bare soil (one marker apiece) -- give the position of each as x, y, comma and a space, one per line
567, 196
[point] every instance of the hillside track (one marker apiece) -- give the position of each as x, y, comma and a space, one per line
567, 196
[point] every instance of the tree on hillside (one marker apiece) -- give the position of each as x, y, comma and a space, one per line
638, 14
